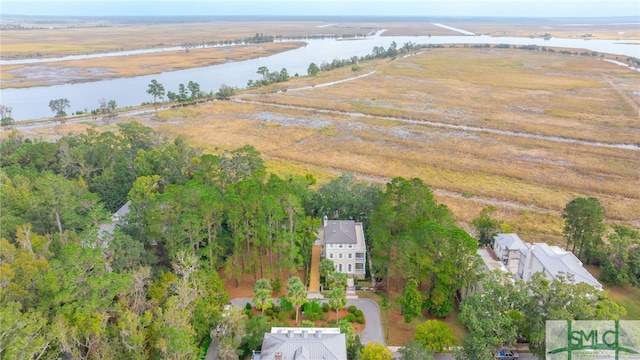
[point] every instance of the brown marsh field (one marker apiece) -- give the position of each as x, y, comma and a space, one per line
410, 101
74, 71
526, 131
52, 38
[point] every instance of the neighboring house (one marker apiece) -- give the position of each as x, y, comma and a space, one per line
343, 243
524, 259
284, 343
488, 264
553, 261
509, 248
105, 232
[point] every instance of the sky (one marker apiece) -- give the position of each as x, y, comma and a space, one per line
427, 8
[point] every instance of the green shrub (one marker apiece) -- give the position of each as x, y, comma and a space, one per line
325, 307
269, 312
350, 318
285, 304
248, 306
352, 309
276, 285
357, 313
312, 310
307, 323
360, 319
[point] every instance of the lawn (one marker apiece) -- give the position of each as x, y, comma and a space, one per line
625, 296
397, 331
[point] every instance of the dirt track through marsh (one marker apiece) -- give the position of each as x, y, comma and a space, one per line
632, 147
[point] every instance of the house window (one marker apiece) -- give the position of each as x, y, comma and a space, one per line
339, 256
331, 256
350, 246
340, 246
350, 256
330, 246
340, 267
349, 268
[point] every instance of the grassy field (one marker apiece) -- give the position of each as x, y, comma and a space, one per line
320, 130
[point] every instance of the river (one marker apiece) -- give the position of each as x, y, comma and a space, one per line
32, 103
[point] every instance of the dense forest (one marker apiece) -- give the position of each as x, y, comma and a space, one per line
151, 286
79, 283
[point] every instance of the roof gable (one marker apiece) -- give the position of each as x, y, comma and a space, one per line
560, 262
511, 242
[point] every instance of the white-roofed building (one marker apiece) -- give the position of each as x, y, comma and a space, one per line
553, 261
509, 248
290, 343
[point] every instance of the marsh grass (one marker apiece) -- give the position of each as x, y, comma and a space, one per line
18, 76
530, 180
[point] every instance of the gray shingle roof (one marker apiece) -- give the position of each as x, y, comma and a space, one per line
340, 232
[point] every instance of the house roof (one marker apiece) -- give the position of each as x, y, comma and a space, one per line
560, 262
340, 232
304, 344
124, 210
489, 262
511, 242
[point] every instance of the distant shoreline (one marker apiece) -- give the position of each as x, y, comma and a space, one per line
146, 19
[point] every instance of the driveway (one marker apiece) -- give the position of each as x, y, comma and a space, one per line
373, 331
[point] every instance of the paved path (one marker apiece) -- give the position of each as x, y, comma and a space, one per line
212, 351
314, 279
373, 331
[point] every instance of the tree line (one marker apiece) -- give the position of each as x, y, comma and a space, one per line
507, 312
150, 288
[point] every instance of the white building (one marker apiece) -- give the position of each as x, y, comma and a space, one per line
553, 261
303, 344
509, 249
343, 243
524, 260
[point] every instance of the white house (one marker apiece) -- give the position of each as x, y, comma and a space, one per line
553, 261
524, 259
105, 231
303, 344
343, 243
509, 248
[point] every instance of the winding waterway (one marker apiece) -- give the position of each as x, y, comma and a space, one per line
32, 103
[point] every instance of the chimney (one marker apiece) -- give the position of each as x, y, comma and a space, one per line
526, 274
277, 356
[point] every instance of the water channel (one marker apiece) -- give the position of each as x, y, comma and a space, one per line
32, 103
